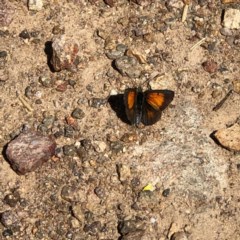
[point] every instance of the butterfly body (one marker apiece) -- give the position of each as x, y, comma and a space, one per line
146, 107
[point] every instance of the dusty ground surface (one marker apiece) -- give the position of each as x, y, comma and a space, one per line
96, 190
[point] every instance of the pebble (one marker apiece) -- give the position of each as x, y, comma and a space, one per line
25, 34
65, 54
35, 5
229, 137
45, 81
58, 30
7, 233
78, 213
99, 192
62, 87
114, 54
226, 31
29, 151
129, 137
210, 66
179, 236
124, 172
92, 228
8, 218
3, 54
131, 226
4, 75
231, 18
236, 86
69, 131
166, 192
128, 66
69, 150
110, 3
78, 113
97, 102
12, 199
99, 146
117, 147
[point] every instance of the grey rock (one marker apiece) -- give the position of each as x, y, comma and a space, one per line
128, 66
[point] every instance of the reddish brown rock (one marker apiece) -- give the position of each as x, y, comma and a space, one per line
29, 151
210, 66
65, 54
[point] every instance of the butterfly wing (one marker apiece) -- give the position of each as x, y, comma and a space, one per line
155, 101
130, 101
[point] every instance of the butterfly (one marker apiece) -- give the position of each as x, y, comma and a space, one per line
146, 107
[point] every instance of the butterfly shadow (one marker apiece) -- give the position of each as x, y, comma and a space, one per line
117, 104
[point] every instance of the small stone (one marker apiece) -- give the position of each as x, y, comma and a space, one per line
128, 66
12, 199
69, 150
58, 30
129, 137
7, 233
25, 34
131, 226
229, 137
210, 66
8, 218
78, 113
179, 236
216, 93
124, 172
45, 81
69, 131
3, 54
67, 193
121, 47
110, 3
99, 192
166, 192
236, 86
35, 5
4, 75
62, 87
231, 18
29, 151
71, 121
226, 32
65, 54
117, 147
114, 54
78, 213
97, 102
92, 228
99, 146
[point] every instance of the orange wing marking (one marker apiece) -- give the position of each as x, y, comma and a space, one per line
156, 100
131, 99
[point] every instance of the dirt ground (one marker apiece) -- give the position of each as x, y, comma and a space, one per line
96, 187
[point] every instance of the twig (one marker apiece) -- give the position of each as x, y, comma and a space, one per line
25, 104
219, 105
185, 11
197, 44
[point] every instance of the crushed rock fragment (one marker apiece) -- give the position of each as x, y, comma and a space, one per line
229, 137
